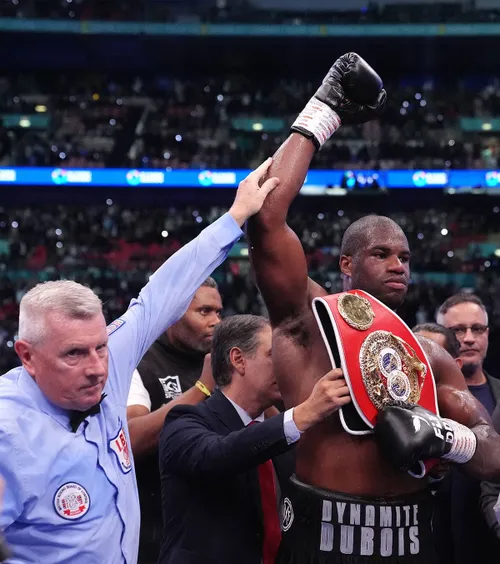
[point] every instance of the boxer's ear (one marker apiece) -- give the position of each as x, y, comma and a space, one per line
345, 264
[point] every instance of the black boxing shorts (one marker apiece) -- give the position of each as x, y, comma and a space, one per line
325, 527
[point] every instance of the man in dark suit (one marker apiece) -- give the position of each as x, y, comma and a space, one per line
471, 542
218, 469
490, 495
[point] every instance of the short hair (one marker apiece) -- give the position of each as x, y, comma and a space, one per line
210, 283
241, 331
451, 343
64, 297
354, 238
461, 298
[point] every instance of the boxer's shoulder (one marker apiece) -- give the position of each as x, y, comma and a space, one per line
314, 290
439, 359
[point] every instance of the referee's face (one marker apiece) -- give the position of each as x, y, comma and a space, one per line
70, 365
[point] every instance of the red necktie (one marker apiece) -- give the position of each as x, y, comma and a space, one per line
272, 529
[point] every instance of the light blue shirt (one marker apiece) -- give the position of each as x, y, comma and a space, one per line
71, 498
292, 434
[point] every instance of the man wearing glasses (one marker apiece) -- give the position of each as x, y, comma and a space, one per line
466, 315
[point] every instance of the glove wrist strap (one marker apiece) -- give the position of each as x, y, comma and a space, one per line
319, 120
464, 443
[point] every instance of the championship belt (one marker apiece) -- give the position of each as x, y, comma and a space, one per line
382, 361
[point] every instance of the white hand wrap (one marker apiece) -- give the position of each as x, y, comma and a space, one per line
464, 443
319, 119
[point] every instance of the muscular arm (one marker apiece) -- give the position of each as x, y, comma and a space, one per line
275, 250
145, 427
457, 403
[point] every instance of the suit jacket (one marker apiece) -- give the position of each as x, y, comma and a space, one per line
479, 543
490, 491
212, 511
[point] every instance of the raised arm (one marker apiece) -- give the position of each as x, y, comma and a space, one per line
165, 298
275, 250
276, 253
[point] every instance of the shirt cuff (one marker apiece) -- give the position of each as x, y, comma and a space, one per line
292, 434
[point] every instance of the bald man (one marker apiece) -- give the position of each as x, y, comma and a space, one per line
352, 499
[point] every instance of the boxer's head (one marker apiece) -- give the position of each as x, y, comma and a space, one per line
242, 363
465, 314
194, 331
63, 343
375, 257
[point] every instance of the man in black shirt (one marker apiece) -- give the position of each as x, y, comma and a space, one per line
176, 369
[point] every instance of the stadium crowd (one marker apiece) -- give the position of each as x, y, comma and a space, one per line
114, 249
161, 122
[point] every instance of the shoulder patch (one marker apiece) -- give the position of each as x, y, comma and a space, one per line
115, 325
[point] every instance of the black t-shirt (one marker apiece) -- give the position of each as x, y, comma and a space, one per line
166, 372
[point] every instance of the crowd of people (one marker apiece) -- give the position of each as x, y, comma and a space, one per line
165, 121
114, 249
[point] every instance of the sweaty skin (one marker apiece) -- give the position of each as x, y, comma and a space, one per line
327, 456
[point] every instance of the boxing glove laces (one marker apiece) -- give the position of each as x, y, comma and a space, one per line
351, 93
408, 435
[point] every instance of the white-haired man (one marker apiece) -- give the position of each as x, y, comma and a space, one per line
71, 493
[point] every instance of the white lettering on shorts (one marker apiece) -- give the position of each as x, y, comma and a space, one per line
368, 530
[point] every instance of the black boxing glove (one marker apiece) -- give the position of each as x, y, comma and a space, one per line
409, 435
351, 93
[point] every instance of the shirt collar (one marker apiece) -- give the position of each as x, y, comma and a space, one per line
243, 414
31, 388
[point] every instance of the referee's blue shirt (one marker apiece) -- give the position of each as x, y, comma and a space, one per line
72, 497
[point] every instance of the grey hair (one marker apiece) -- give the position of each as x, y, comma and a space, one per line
64, 297
236, 331
210, 283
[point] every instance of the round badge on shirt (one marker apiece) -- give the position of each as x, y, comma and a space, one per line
71, 501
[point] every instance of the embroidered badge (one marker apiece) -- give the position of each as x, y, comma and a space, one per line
71, 501
119, 446
115, 325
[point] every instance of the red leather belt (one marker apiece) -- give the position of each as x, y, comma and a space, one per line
382, 361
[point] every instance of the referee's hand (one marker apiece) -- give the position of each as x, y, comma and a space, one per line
252, 192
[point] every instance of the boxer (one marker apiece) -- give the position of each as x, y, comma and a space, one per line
352, 499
